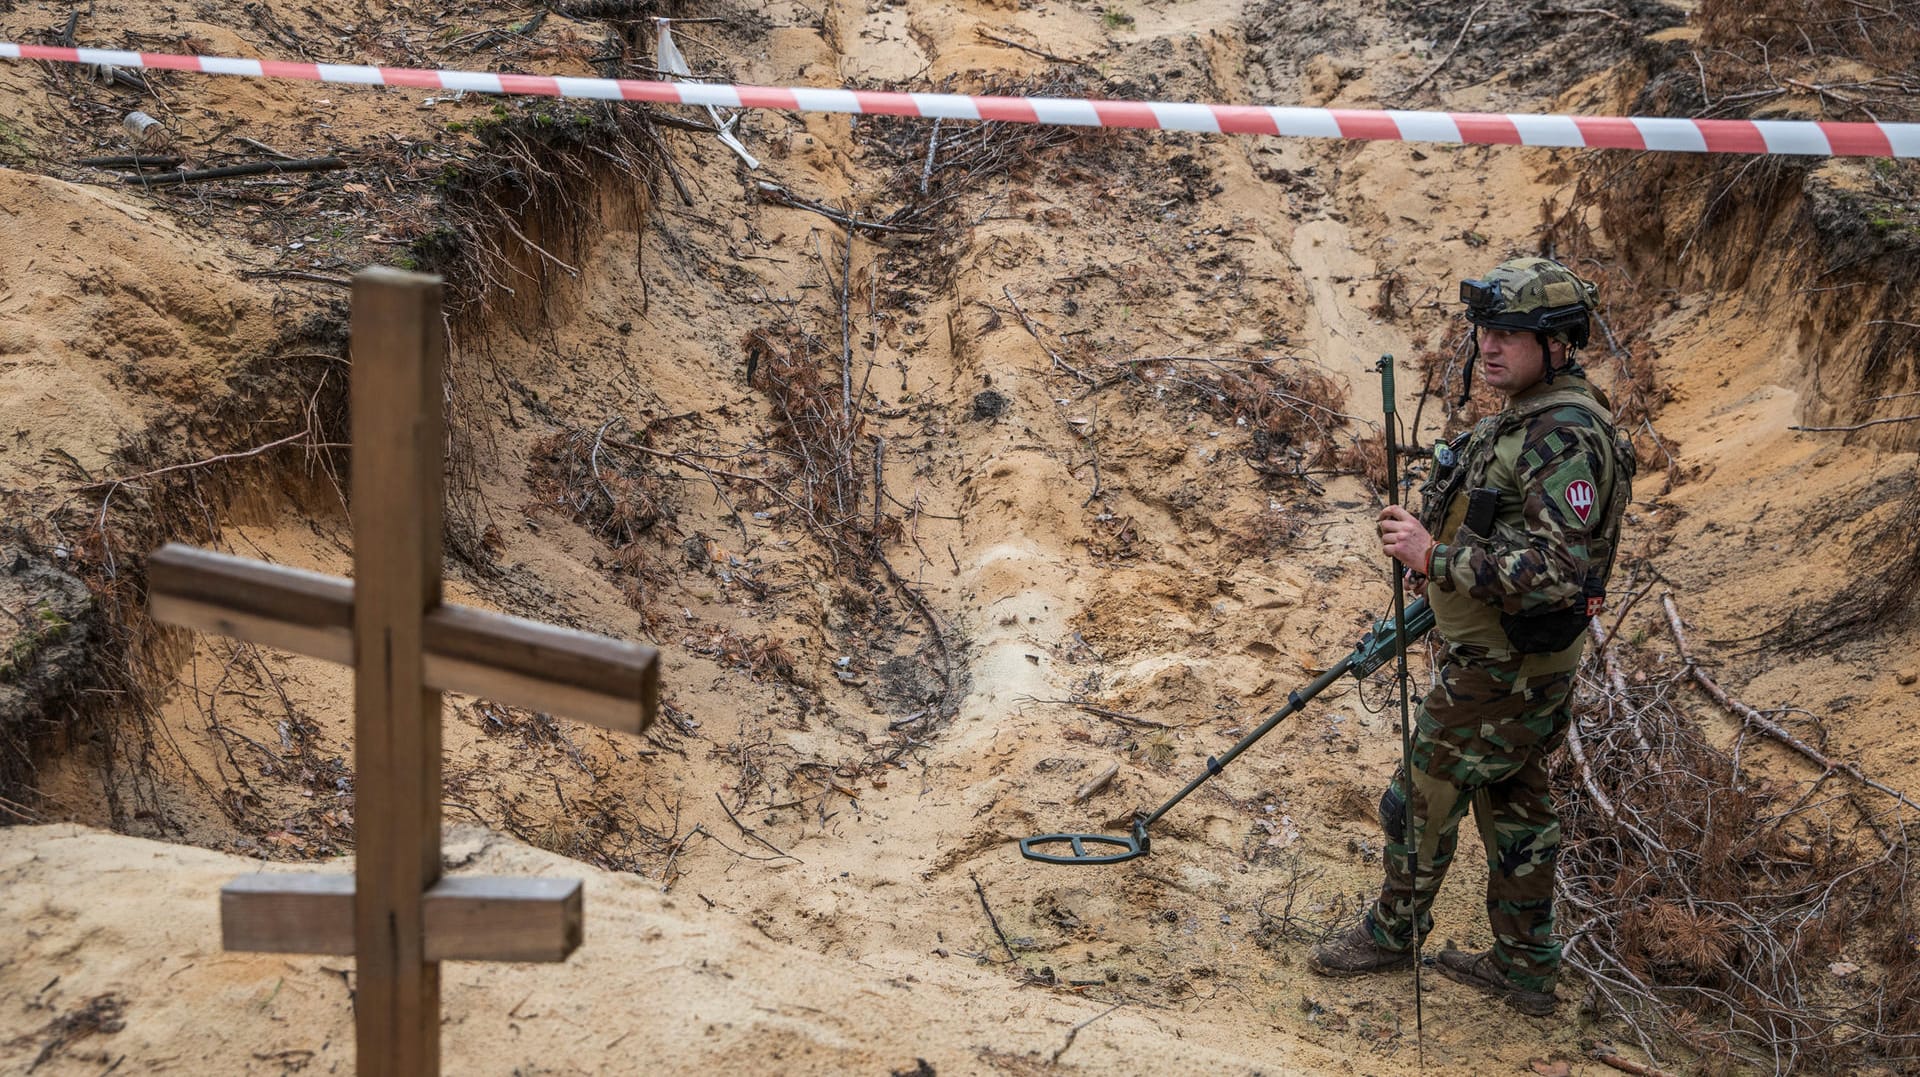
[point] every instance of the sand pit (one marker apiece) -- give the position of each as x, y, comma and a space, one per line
1074, 465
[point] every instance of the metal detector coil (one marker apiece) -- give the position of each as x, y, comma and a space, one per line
1134, 844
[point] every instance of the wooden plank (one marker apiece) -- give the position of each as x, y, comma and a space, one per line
398, 345
608, 682
504, 919
611, 683
478, 918
273, 605
288, 914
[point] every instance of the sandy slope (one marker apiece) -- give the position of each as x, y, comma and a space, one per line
849, 932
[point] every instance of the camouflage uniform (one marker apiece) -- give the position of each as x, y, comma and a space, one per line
1499, 707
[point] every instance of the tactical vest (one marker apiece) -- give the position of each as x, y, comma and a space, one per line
1493, 449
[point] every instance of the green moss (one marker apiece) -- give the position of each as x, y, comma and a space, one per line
51, 628
15, 150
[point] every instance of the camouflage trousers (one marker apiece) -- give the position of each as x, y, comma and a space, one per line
1480, 743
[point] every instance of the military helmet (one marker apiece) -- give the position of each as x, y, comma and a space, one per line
1533, 295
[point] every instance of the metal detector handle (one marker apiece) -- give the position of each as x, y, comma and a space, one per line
1400, 642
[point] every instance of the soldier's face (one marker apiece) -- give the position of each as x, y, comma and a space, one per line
1511, 360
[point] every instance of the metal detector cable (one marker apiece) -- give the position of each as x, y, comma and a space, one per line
1406, 726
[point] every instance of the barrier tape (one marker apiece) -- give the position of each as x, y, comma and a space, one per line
1797, 137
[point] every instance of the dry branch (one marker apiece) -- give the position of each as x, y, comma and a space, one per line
1761, 723
1856, 426
1034, 330
1462, 36
257, 168
992, 919
1625, 1065
1096, 783
1101, 712
1042, 53
1702, 907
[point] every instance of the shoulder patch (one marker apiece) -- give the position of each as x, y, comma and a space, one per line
1579, 497
1573, 492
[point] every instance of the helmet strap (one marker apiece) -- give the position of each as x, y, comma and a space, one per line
1466, 387
1546, 355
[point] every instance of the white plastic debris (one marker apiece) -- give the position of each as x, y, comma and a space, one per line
670, 60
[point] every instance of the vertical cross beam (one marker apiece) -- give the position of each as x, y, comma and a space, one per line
396, 916
398, 350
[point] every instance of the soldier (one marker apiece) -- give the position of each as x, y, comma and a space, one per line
1528, 505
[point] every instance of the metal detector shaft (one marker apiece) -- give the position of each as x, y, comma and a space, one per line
1374, 650
1406, 723
1297, 701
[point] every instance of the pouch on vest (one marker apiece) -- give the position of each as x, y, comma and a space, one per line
1483, 504
1549, 633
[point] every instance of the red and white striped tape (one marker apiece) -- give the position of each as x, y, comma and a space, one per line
1802, 137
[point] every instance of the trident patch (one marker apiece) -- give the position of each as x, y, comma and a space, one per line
1579, 497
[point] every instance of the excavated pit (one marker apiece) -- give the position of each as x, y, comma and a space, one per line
1067, 459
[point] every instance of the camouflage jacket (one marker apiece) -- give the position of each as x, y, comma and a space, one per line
1564, 478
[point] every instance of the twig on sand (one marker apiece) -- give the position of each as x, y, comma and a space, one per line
1093, 442
257, 168
1101, 712
1624, 1065
295, 274
1760, 722
751, 833
1856, 426
1075, 1031
992, 919
781, 196
1435, 69
1095, 784
255, 451
1042, 53
1034, 330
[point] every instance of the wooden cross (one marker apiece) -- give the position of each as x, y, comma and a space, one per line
396, 916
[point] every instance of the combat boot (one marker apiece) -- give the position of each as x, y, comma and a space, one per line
1354, 952
1481, 971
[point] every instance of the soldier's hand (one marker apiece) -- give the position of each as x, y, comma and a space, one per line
1403, 539
1416, 584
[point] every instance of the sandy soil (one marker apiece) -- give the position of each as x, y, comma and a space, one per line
808, 866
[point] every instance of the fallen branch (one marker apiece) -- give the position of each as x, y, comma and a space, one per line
1760, 722
1042, 53
992, 919
1075, 1031
920, 606
751, 833
1093, 444
255, 451
295, 274
260, 147
257, 168
1095, 784
1034, 331
1435, 69
1856, 426
1101, 712
1625, 1065
780, 196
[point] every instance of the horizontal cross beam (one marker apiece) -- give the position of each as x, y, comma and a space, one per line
469, 918
508, 659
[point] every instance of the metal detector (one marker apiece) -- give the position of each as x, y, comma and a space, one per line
1376, 648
